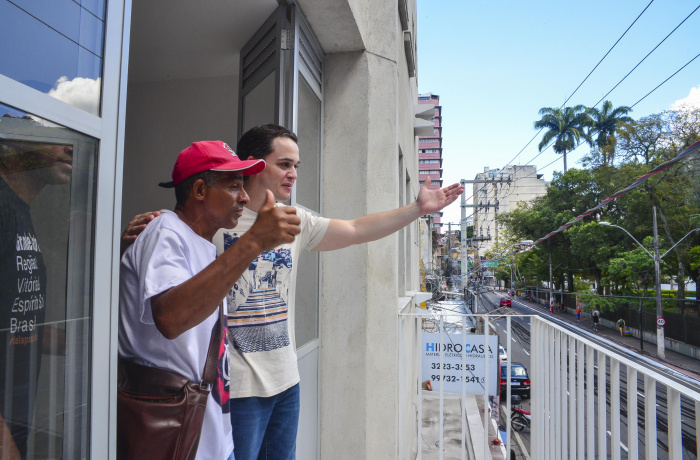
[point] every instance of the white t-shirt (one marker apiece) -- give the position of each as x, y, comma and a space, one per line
166, 254
261, 316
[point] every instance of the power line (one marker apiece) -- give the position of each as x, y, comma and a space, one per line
648, 54
587, 76
662, 167
606, 54
488, 222
660, 84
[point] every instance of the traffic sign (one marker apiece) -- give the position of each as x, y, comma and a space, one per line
660, 322
491, 263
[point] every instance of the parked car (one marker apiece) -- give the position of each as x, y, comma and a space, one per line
519, 379
502, 356
505, 302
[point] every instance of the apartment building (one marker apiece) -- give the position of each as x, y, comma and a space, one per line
497, 191
430, 150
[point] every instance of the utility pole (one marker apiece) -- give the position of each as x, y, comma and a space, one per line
551, 286
448, 260
463, 245
660, 340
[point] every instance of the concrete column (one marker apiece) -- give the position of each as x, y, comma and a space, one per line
359, 364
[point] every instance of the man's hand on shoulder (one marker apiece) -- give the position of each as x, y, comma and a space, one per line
275, 225
135, 227
431, 201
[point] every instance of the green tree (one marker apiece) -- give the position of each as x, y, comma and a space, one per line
632, 270
640, 140
694, 272
565, 127
603, 125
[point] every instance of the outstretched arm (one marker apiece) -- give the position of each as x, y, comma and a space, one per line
344, 233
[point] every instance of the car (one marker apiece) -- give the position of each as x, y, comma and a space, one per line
502, 356
519, 379
505, 302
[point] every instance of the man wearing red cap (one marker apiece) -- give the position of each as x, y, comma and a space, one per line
171, 282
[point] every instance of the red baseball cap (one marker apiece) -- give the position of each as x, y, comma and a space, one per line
210, 155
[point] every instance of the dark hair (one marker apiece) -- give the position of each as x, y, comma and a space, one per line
257, 141
183, 189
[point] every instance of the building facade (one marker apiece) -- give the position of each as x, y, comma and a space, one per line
497, 191
118, 89
430, 150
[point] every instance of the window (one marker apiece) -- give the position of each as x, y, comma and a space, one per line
46, 234
56, 48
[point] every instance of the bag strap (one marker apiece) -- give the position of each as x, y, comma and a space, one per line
213, 354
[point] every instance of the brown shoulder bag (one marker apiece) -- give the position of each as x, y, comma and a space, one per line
160, 413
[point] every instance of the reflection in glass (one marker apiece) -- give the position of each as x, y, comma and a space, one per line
308, 195
47, 184
55, 47
309, 134
259, 104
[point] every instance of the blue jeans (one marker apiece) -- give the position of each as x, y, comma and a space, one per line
266, 428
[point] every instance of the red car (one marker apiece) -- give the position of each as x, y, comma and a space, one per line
505, 302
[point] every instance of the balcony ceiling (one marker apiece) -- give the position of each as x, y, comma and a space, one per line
180, 39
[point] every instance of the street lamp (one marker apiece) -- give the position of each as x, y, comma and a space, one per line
660, 345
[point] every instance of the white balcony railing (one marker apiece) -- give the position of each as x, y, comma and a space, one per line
571, 417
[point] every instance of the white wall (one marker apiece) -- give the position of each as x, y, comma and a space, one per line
163, 118
368, 118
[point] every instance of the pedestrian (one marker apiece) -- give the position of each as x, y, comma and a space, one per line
265, 393
578, 314
621, 326
596, 317
172, 283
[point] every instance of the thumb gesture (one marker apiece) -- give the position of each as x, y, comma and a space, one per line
275, 225
269, 202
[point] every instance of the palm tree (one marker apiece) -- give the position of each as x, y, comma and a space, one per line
603, 124
565, 126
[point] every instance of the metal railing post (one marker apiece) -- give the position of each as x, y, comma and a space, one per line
602, 403
650, 416
632, 428
442, 386
615, 409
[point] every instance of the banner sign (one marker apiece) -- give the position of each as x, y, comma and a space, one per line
454, 369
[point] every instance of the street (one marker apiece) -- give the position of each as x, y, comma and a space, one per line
519, 351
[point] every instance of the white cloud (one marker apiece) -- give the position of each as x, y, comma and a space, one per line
83, 93
692, 101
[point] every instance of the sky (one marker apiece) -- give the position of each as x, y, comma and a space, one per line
496, 63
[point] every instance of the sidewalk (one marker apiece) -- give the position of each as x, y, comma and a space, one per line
681, 363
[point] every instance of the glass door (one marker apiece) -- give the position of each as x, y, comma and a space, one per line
264, 83
307, 123
282, 82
